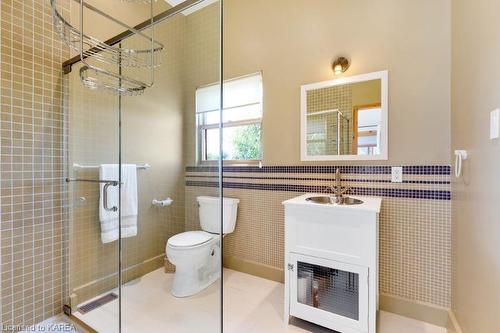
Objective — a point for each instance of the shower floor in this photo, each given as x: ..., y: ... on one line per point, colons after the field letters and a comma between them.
x: 57, y: 324
x: 252, y: 305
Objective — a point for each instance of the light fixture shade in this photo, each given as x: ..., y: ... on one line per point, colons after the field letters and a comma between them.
x: 340, y: 65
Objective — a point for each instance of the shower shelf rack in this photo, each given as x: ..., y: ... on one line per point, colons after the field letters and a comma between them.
x: 93, y: 49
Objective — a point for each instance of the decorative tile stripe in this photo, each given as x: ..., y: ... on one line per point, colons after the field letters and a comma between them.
x: 395, y: 193
x: 327, y: 179
x: 358, y: 169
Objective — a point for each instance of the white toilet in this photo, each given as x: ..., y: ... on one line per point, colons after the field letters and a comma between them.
x: 196, y: 254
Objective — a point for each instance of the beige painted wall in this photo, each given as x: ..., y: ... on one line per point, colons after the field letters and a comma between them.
x: 476, y: 227
x: 294, y: 45
x: 294, y: 42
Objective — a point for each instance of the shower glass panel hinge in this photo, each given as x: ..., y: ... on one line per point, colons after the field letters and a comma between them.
x: 290, y: 267
x: 67, y: 310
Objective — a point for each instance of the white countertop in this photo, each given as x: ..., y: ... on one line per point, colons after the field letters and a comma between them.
x: 371, y: 204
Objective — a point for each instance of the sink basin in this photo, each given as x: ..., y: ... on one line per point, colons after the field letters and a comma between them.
x: 331, y: 200
x: 321, y: 200
x: 350, y: 201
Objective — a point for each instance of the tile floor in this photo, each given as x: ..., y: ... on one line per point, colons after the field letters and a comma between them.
x: 57, y: 324
x: 252, y: 305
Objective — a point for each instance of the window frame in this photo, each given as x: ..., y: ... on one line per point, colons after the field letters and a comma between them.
x: 202, y: 129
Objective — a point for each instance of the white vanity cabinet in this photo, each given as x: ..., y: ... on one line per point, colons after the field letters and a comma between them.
x: 331, y: 263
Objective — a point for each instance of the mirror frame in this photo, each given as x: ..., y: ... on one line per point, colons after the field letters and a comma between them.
x: 384, y: 125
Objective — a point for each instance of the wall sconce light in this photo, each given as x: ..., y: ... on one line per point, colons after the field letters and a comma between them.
x: 340, y: 65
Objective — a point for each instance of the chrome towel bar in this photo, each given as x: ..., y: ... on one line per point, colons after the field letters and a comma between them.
x: 79, y: 166
x: 111, y: 182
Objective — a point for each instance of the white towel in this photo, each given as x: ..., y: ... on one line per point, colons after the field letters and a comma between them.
x: 109, y: 219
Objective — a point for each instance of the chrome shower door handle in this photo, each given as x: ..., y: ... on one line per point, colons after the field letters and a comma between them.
x: 105, y: 197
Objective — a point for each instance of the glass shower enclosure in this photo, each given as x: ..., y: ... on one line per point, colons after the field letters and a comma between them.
x: 127, y: 152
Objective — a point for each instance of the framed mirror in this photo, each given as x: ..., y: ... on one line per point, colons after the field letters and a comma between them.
x: 345, y: 119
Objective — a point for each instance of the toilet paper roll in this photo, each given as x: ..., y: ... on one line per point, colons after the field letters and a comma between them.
x: 304, y: 288
x: 302, y: 284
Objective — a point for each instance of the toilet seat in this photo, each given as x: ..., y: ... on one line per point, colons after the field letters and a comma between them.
x: 189, y: 239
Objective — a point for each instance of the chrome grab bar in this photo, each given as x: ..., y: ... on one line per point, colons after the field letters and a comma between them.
x: 112, y: 182
x: 107, y: 183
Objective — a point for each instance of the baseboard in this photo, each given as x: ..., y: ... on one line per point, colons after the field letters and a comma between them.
x: 254, y: 268
x: 426, y: 312
x: 83, y: 293
x: 453, y: 326
x: 422, y: 311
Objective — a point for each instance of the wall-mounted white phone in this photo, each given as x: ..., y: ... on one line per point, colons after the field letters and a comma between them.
x: 460, y: 155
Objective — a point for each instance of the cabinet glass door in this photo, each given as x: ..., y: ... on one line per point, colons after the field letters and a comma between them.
x: 330, y: 293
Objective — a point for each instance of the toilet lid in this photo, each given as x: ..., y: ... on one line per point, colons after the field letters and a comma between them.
x: 189, y: 238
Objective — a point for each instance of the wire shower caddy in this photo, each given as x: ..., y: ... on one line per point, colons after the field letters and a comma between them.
x: 103, y: 64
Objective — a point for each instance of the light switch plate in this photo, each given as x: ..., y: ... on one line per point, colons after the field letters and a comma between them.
x: 495, y: 124
x: 397, y: 174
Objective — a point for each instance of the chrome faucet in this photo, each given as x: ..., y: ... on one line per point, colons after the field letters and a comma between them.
x: 337, y: 190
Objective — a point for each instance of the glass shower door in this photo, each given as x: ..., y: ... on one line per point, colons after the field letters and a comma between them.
x: 159, y: 129
x: 93, y: 150
x: 121, y: 279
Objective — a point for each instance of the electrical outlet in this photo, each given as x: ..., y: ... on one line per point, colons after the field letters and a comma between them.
x: 397, y: 174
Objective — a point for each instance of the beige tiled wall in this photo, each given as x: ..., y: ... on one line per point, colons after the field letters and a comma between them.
x: 415, y: 233
x: 32, y: 191
x: 201, y: 67
x: 329, y: 99
x: 152, y: 134
x: 45, y: 115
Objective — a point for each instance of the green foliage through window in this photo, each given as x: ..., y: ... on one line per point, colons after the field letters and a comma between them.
x: 246, y: 142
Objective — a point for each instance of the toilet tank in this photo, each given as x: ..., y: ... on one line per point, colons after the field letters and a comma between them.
x: 209, y: 208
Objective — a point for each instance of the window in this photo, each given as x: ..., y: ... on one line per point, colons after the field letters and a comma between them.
x: 367, y: 132
x: 242, y: 120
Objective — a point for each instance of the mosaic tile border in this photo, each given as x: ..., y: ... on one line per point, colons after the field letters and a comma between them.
x: 395, y: 193
x: 329, y: 179
x: 431, y: 188
x: 357, y: 169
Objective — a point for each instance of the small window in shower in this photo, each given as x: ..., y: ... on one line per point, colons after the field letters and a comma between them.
x: 241, y: 120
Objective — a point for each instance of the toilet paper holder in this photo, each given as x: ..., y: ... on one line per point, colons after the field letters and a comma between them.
x: 162, y: 203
